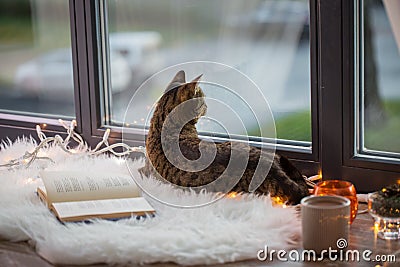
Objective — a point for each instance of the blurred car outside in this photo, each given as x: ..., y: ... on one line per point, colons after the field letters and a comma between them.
x: 140, y: 49
x: 50, y: 75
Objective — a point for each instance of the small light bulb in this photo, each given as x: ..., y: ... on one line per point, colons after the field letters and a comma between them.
x: 232, y: 195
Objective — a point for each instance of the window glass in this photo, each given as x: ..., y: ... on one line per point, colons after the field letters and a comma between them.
x: 35, y: 58
x: 380, y: 94
x: 266, y: 40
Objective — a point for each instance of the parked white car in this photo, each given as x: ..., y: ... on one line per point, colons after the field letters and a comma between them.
x: 51, y: 75
x: 140, y: 49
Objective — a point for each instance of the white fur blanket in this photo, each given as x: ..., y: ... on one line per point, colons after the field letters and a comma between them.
x: 227, y: 230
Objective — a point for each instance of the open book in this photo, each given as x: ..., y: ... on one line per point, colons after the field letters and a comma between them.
x: 79, y: 196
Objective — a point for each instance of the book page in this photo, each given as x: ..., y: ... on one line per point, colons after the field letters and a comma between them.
x: 62, y: 186
x: 106, y: 208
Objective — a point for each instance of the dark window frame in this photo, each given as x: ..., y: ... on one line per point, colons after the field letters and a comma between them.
x: 332, y: 96
x: 369, y: 172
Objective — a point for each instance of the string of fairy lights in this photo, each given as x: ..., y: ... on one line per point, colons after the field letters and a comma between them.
x: 82, y: 148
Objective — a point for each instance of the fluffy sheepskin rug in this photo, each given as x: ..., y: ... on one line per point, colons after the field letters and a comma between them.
x: 225, y: 231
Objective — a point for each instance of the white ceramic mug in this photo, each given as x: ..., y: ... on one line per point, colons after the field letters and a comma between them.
x: 325, y: 222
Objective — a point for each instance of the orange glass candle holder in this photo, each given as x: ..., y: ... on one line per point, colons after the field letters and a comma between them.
x: 339, y: 188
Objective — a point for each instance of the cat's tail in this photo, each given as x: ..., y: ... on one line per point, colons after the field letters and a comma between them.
x: 300, y: 188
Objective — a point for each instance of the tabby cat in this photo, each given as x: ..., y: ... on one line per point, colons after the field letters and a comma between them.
x: 175, y: 122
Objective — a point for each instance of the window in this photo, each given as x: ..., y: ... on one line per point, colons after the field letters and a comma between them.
x: 379, y: 87
x: 370, y: 154
x: 320, y: 58
x: 266, y: 40
x: 36, y: 74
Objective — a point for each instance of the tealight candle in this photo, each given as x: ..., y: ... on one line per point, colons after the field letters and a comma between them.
x: 339, y: 188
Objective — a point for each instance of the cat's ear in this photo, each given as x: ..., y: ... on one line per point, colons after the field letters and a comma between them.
x: 192, y: 86
x: 177, y: 81
x: 196, y: 80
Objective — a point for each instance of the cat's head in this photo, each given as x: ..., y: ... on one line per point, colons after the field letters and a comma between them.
x: 179, y: 91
